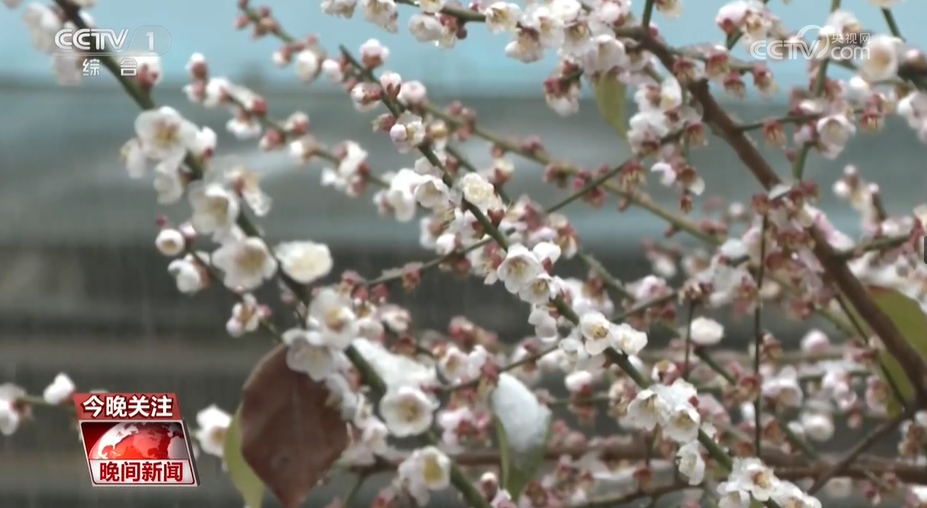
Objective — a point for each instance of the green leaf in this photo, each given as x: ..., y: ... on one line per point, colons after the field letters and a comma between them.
x: 610, y: 96
x: 908, y: 316
x: 243, y: 478
x: 522, y: 430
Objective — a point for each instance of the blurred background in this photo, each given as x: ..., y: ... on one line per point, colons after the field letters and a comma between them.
x: 83, y: 291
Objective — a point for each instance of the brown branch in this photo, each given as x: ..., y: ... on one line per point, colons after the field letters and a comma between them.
x: 871, y: 439
x: 654, y: 492
x: 835, y: 268
x: 787, y: 466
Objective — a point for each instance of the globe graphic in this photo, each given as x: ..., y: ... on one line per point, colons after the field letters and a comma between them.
x: 141, y: 441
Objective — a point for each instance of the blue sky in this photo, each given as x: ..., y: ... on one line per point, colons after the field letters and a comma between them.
x: 476, y: 65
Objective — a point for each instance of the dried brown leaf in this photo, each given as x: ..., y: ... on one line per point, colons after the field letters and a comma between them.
x: 290, y: 436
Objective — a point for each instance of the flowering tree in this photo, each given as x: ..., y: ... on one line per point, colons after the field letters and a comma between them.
x: 351, y: 372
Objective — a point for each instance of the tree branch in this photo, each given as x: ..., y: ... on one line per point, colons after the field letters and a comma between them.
x: 835, y: 268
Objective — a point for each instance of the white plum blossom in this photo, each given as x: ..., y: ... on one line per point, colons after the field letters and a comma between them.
x: 756, y: 478
x: 332, y: 69
x: 212, y: 424
x: 579, y: 381
x: 247, y: 183
x: 691, y: 463
x: 790, y: 495
x: 382, y: 13
x: 308, y: 65
x: 682, y: 425
x: 305, y: 261
x: 541, y: 290
x: 526, y: 47
x: 458, y: 366
x: 333, y: 311
x: 669, y: 8
x: 454, y: 364
x: 669, y: 406
x: 647, y: 130
x: 575, y: 356
x: 10, y: 416
x: 169, y: 184
x: 432, y: 193
x: 215, y: 210
x: 479, y: 192
x: 601, y: 334
x: 246, y: 316
x: 365, y: 96
x: 244, y: 127
x: 833, y: 132
x: 245, y: 263
x: 598, y: 332
x: 170, y: 242
x: 784, y: 387
x: 67, y: 66
x: 431, y: 6
x: 607, y: 54
x: 818, y: 427
x: 408, y: 132
x: 371, y: 443
x: 426, y: 470
x: 913, y: 108
x: 450, y: 420
x: 407, y: 411
x: 215, y: 92
x: 545, y: 325
x: 391, y: 83
x: 400, y: 196
x: 346, y: 174
x: 705, y: 331
x: 164, y: 133
x: 134, y: 158
x: 502, y: 499
x: 412, y: 93
x: 670, y: 175
x: 733, y: 495
x: 426, y: 27
x: 189, y: 273
x: 340, y: 8
x: 519, y: 268
x: 374, y: 53
x: 815, y: 341
x: 502, y: 16
x: 884, y: 54
x: 646, y: 410
x: 310, y: 352
x: 842, y: 488
x: 564, y: 103
x: 60, y: 390
x: 147, y: 65
x: 43, y: 23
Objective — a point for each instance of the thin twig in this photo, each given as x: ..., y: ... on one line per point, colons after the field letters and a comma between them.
x: 758, y: 341
x: 687, y: 364
x: 872, y: 438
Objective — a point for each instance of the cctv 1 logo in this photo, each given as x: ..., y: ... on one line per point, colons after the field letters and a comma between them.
x: 149, y: 40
